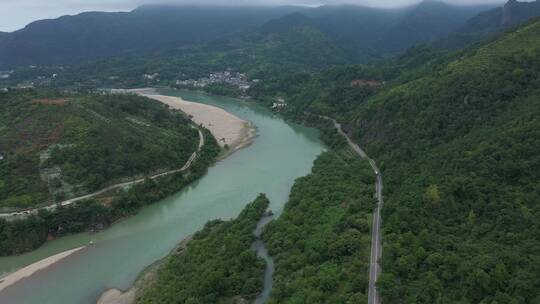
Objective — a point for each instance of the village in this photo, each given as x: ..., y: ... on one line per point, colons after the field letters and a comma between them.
x: 5, y: 74
x: 239, y: 80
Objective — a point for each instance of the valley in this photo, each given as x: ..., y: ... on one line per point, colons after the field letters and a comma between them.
x: 279, y: 106
x: 222, y: 193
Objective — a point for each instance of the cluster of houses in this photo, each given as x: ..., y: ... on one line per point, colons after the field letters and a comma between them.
x: 239, y: 80
x: 279, y: 104
x: 149, y: 76
x: 5, y: 74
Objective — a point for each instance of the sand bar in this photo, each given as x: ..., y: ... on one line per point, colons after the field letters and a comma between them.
x: 227, y: 128
x: 115, y: 296
x: 27, y: 271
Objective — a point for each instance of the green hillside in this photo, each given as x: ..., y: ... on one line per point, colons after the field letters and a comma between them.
x: 456, y: 136
x: 56, y: 146
x: 458, y: 149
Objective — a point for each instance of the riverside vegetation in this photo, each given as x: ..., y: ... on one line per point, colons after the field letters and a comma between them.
x: 24, y: 235
x: 217, y: 265
x: 320, y: 242
x: 133, y: 135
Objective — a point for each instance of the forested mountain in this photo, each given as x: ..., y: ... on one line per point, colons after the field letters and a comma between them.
x: 293, y: 42
x: 491, y: 22
x: 458, y: 151
x: 429, y: 21
x: 56, y: 146
x: 455, y: 135
x: 391, y: 31
x: 513, y: 13
x: 359, y: 34
x: 93, y: 35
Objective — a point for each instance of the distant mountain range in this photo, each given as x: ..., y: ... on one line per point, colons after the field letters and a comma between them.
x: 361, y: 32
x: 491, y: 22
x: 316, y: 37
x: 390, y: 31
x: 93, y: 35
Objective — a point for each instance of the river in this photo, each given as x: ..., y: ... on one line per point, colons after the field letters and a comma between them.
x: 281, y: 153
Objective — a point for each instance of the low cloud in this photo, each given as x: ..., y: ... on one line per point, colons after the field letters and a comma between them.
x: 15, y: 14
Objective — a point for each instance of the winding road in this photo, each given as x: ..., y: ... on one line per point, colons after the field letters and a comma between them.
x: 68, y: 202
x: 376, y: 244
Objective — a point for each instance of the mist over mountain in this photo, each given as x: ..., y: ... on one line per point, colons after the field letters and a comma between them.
x: 429, y: 21
x: 97, y: 34
x: 513, y: 13
x: 391, y: 31
x: 362, y: 32
x: 489, y: 23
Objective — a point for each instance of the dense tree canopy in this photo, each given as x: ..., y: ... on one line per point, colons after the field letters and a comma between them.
x: 217, y: 266
x: 457, y: 137
x: 321, y: 241
x: 24, y: 235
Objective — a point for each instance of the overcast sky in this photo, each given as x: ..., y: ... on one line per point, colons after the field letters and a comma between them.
x: 15, y: 14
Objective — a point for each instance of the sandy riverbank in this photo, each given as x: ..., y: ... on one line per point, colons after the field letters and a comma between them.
x: 228, y: 129
x: 115, y: 296
x: 27, y: 271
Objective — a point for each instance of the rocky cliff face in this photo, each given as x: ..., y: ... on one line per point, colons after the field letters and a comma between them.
x: 512, y: 14
x: 508, y: 11
x: 515, y: 12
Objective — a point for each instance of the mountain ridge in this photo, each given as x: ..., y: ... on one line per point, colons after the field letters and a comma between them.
x: 94, y: 35
x: 511, y: 14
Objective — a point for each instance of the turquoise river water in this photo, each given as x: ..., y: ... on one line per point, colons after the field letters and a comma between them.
x: 281, y: 153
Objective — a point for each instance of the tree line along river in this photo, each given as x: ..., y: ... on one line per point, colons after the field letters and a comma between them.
x: 281, y: 153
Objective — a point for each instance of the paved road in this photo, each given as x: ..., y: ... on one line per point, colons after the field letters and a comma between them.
x: 186, y: 166
x: 376, y: 244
